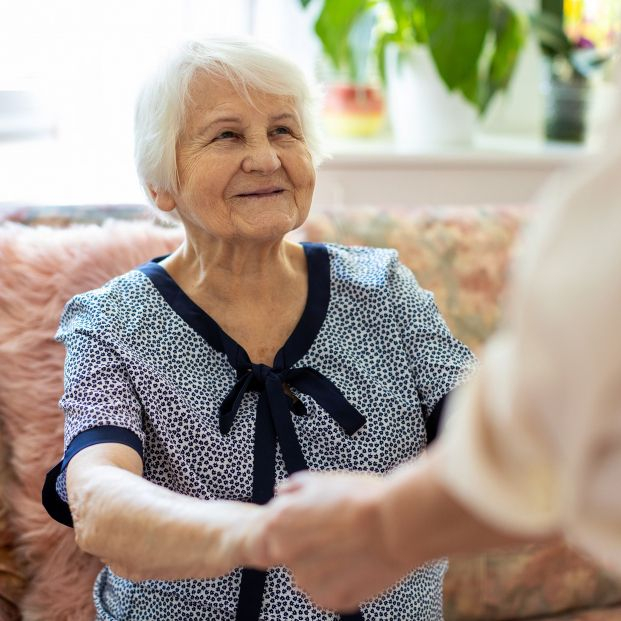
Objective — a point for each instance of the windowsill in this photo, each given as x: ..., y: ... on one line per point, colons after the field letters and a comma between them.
x: 494, y: 170
x: 486, y: 150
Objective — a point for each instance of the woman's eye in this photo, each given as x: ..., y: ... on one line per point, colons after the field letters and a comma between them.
x: 281, y: 131
x: 226, y: 135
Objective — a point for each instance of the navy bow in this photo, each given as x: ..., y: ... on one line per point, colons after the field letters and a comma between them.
x: 274, y: 425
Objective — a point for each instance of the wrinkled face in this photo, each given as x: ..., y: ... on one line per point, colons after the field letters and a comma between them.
x: 244, y: 169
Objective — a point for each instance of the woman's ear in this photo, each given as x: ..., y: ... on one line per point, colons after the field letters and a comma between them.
x: 163, y: 199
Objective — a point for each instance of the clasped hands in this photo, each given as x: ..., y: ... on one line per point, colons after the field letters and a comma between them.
x: 332, y: 530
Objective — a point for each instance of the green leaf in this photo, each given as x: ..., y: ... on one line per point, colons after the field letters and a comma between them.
x: 410, y: 20
x: 470, y: 88
x: 305, y: 3
x: 554, y: 7
x: 333, y: 26
x: 456, y: 30
x: 419, y: 26
x: 399, y: 11
x: 548, y: 29
x: 402, y: 10
x: 382, y: 42
x: 509, y: 36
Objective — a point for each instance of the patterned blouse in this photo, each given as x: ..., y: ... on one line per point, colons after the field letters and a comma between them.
x: 368, y: 360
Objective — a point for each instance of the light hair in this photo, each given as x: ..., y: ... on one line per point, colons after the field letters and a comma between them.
x: 247, y: 64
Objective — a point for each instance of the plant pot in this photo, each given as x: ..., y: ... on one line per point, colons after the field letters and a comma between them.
x: 567, y: 104
x: 352, y: 111
x: 423, y: 112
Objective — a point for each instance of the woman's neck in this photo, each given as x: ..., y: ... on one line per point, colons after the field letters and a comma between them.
x: 234, y: 271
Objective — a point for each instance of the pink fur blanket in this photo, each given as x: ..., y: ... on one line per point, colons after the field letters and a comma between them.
x: 41, y: 269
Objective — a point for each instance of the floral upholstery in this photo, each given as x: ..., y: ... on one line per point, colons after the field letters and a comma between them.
x: 459, y: 253
x: 67, y: 215
x: 532, y: 582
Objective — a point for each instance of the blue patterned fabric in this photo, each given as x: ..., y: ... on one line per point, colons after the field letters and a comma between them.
x: 369, y: 357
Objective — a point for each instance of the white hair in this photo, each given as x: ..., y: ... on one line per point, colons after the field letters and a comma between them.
x: 162, y: 103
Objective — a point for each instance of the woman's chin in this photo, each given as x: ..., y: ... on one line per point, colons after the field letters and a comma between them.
x: 268, y: 226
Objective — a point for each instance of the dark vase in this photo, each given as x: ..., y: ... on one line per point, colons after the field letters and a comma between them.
x: 567, y: 103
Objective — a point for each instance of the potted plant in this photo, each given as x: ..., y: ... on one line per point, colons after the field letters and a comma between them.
x: 570, y: 65
x: 354, y: 102
x: 471, y: 46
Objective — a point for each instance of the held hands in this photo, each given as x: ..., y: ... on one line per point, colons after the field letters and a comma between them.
x: 333, y: 530
x: 329, y: 530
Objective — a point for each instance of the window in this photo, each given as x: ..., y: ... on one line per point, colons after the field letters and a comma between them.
x: 70, y: 70
x: 67, y: 91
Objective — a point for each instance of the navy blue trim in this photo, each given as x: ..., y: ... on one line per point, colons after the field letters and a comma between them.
x: 56, y: 507
x: 300, y: 340
x: 177, y: 299
x: 274, y: 425
x: 433, y: 421
x: 315, y: 311
x: 251, y: 594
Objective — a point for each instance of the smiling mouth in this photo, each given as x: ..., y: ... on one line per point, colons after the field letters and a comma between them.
x: 262, y: 193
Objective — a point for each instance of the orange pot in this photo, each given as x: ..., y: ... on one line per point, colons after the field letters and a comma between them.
x: 353, y: 111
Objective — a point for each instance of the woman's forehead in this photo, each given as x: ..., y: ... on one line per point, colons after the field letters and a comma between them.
x: 212, y: 96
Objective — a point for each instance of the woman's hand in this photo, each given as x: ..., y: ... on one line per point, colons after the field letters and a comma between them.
x: 328, y: 528
x: 348, y: 536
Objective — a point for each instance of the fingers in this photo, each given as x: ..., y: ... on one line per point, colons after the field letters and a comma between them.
x: 325, y: 527
x: 298, y: 482
x: 273, y: 542
x: 315, y: 511
x: 272, y: 535
x: 335, y: 585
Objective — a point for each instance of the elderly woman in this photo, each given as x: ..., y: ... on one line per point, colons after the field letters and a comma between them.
x: 196, y: 382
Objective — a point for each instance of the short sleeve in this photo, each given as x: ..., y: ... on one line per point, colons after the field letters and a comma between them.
x: 438, y: 361
x: 99, y: 400
x: 97, y: 389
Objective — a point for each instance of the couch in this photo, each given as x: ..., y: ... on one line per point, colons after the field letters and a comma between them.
x: 48, y: 255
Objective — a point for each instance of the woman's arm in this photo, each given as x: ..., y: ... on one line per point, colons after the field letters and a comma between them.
x: 144, y: 531
x: 416, y: 502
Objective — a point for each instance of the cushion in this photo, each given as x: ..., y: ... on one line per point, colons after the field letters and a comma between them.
x: 12, y: 581
x: 527, y: 582
x: 68, y: 215
x: 596, y: 614
x: 42, y: 269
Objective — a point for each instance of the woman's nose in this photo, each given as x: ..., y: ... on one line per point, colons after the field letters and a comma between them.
x: 260, y: 157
